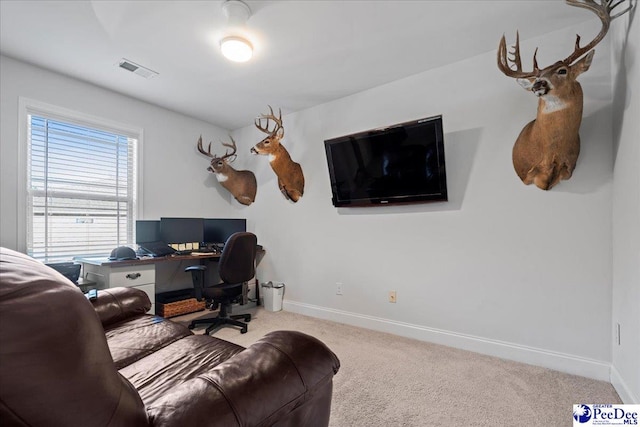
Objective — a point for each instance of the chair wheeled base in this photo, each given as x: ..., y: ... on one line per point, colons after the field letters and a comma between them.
x: 222, y: 319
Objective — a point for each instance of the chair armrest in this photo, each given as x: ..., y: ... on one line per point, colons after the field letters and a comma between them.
x: 285, y: 378
x: 116, y: 304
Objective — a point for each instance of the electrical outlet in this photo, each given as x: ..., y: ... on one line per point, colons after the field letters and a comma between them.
x: 392, y: 296
x: 338, y: 288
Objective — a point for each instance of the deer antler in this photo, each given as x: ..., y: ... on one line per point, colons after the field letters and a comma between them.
x: 506, y: 60
x: 271, y: 116
x: 201, y: 150
x: 233, y: 148
x: 603, y: 10
x: 213, y: 156
x: 513, y: 57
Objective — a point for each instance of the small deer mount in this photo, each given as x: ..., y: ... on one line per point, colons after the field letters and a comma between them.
x: 241, y: 184
x: 289, y: 173
x: 547, y: 148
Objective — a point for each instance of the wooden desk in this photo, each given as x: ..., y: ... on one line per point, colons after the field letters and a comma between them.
x: 145, y: 260
x: 138, y: 273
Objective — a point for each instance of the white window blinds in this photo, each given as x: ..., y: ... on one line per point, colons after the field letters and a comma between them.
x: 81, y: 189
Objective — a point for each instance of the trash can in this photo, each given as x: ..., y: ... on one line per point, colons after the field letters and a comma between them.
x: 271, y: 294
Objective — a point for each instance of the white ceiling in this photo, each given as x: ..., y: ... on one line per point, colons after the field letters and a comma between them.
x: 306, y: 52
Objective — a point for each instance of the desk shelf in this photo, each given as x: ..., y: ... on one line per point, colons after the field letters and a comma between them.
x: 176, y: 303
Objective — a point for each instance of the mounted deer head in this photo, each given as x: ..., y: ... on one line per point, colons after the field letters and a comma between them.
x: 547, y: 148
x: 289, y: 173
x: 241, y: 184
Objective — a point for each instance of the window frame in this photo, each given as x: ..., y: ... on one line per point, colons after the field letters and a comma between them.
x: 29, y: 107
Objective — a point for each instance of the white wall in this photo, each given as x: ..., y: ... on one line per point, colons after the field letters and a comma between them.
x: 175, y: 179
x: 501, y: 268
x: 626, y: 209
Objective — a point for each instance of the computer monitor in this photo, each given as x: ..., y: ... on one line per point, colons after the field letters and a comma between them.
x: 182, y: 230
x: 147, y: 231
x: 218, y: 230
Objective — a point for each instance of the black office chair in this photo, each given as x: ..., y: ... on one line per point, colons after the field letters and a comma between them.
x: 235, y: 267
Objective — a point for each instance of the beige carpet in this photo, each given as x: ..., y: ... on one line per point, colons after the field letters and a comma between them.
x: 386, y: 380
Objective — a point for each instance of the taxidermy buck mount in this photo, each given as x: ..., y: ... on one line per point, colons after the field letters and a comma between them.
x: 289, y: 173
x: 241, y: 184
x: 547, y: 148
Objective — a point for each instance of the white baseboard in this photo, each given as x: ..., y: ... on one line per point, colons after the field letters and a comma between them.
x: 621, y: 387
x: 576, y: 365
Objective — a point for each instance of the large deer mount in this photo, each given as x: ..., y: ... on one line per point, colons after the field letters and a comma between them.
x: 289, y: 173
x: 241, y: 184
x: 547, y: 148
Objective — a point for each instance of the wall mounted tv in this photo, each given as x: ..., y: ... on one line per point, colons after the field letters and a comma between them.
x: 403, y: 163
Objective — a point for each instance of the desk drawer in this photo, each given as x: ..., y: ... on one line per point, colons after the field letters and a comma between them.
x: 132, y: 276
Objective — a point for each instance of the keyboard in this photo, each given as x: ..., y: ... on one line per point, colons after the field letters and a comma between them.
x: 207, y: 250
x: 187, y: 252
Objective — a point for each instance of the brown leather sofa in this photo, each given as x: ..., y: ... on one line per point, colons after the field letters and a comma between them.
x: 66, y: 362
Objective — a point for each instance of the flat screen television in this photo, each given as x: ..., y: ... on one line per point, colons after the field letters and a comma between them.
x: 403, y: 163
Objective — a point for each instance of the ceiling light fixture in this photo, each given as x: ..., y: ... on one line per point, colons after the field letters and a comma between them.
x: 234, y: 47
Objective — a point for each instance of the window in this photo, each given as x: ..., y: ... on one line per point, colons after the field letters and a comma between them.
x: 81, y: 187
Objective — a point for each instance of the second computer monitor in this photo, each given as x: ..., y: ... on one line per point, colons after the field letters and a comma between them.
x: 218, y: 230
x: 181, y: 230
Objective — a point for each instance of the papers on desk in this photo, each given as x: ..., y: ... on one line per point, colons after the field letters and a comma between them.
x: 200, y: 253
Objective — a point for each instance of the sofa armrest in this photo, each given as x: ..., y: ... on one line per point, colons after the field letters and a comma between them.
x: 285, y: 378
x: 117, y: 304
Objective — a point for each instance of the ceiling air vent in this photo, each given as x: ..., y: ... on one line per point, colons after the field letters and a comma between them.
x: 137, y: 69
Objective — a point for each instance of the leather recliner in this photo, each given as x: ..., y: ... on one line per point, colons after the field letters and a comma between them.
x: 67, y: 362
